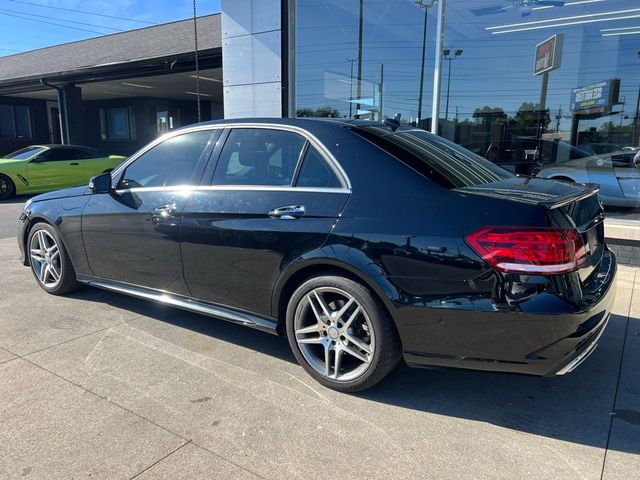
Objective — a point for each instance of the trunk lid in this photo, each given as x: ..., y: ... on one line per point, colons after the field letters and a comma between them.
x: 567, y: 205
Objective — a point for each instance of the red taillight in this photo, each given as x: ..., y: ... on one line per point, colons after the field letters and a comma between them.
x: 529, y: 250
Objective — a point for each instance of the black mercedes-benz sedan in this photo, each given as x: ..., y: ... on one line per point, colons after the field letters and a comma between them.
x: 360, y: 242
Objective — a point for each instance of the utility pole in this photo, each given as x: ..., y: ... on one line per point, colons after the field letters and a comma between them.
x: 360, y: 18
x: 421, y: 4
x: 634, y: 138
x: 351, y: 60
x: 380, y: 116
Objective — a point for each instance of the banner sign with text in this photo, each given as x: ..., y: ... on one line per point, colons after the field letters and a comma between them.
x: 597, y: 97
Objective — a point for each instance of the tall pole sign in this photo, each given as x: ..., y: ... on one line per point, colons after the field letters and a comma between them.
x: 548, y: 58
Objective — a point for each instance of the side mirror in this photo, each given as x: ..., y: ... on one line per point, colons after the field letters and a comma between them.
x: 101, y: 183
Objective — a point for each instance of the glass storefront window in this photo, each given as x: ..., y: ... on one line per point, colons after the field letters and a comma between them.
x: 528, y: 84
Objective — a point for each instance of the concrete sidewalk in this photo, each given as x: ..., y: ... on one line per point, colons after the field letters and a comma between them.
x: 98, y: 385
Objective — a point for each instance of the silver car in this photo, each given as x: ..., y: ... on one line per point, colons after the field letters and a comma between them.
x: 618, y: 175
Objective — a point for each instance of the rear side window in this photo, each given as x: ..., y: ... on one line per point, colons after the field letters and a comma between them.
x: 437, y: 159
x: 258, y: 156
x: 315, y: 172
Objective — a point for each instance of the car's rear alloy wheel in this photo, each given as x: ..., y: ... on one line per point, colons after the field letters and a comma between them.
x: 49, y: 260
x: 340, y: 333
x: 7, y: 188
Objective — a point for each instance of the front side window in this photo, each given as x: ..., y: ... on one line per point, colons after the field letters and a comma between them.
x: 58, y: 155
x: 259, y: 156
x: 117, y: 123
x: 171, y: 163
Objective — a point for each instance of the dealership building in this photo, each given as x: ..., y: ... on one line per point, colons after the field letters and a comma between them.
x: 504, y: 78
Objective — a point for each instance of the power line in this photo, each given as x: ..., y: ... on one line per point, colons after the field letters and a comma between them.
x: 52, y: 23
x: 84, y: 12
x: 60, y: 19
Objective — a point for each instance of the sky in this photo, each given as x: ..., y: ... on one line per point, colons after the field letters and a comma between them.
x: 30, y: 24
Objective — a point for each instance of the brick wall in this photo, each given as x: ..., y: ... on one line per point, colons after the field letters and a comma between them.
x: 628, y: 254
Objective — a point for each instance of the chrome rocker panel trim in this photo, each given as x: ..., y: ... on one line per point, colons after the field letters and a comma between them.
x: 184, y: 303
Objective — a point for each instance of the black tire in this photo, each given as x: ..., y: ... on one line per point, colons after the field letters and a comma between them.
x: 7, y: 187
x: 67, y: 281
x: 386, y: 351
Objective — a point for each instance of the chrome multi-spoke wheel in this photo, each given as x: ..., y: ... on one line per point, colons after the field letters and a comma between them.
x: 341, y: 334
x: 334, y: 333
x: 45, y: 259
x: 49, y: 260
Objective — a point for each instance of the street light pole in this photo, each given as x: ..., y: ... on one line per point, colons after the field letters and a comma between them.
x: 446, y: 55
x: 435, y: 106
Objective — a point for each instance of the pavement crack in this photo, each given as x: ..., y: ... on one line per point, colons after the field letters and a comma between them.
x: 79, y: 337
x: 229, y: 460
x: 102, y: 397
x: 161, y: 459
x: 615, y: 395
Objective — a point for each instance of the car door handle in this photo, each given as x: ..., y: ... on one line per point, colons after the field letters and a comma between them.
x: 165, y: 211
x: 290, y: 212
x: 74, y: 163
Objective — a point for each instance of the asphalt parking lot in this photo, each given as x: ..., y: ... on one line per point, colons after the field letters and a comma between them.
x: 98, y: 385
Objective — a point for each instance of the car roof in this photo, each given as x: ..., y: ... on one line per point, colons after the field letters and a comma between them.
x: 302, y: 122
x: 52, y: 146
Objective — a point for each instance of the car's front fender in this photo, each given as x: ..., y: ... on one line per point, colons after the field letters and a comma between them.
x: 65, y: 216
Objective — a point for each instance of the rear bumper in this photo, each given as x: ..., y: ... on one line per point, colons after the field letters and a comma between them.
x: 544, y: 335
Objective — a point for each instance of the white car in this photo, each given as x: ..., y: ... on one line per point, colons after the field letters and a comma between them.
x: 618, y: 176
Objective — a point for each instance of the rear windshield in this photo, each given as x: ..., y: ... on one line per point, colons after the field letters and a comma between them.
x: 440, y: 160
x: 25, y: 153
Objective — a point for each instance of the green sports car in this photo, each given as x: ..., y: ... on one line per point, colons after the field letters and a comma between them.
x: 42, y: 168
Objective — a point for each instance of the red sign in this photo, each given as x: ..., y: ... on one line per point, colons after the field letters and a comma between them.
x: 548, y: 54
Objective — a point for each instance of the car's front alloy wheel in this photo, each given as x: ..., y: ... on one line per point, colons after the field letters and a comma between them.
x: 341, y: 334
x: 49, y: 260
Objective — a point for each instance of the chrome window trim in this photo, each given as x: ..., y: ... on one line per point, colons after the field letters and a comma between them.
x: 312, y: 139
x: 247, y: 188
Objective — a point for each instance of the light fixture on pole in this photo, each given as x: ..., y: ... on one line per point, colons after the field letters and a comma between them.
x: 446, y: 54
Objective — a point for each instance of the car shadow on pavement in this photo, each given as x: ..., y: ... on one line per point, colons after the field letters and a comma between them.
x: 220, y: 329
x: 575, y: 408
